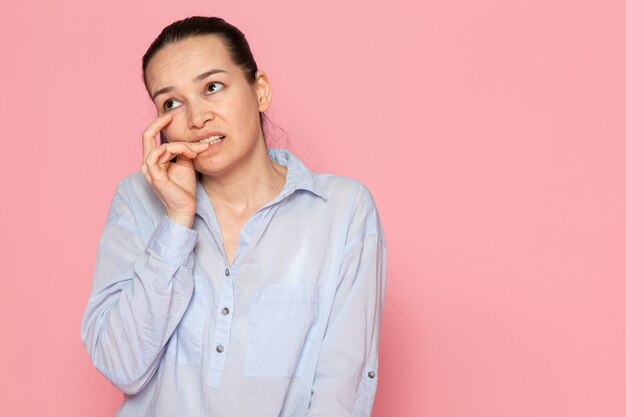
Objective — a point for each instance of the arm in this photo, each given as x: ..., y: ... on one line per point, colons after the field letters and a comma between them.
x: 346, y: 376
x: 139, y: 295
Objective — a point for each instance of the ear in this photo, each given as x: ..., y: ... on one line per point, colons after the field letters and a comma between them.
x: 263, y: 90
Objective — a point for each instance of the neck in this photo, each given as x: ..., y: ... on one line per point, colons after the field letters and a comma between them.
x: 248, y: 186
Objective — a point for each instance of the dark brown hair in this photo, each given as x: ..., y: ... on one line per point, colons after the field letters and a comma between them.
x: 234, y: 40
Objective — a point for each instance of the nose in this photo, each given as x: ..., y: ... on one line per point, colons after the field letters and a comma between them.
x: 198, y: 114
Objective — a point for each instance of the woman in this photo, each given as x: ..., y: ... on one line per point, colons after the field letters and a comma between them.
x: 230, y: 280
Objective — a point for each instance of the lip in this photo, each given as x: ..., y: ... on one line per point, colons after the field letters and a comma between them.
x: 208, y: 135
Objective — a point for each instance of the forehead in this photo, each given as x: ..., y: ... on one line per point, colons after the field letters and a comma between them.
x: 182, y: 61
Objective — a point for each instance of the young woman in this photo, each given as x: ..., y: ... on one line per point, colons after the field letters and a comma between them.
x: 230, y: 280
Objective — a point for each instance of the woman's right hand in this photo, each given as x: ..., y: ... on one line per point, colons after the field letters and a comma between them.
x: 173, y: 182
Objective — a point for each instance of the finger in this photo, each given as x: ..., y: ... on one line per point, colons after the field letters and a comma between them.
x: 146, y: 174
x: 149, y: 135
x: 156, y: 175
x: 189, y: 150
x: 157, y: 170
x: 163, y: 155
x: 155, y: 154
x: 179, y: 150
x: 165, y: 158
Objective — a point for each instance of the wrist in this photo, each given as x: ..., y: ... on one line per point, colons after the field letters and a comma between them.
x: 183, y: 219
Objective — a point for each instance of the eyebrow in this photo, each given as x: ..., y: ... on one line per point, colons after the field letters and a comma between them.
x: 195, y: 80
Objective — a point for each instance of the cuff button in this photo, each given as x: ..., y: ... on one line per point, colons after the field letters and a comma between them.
x: 371, y: 374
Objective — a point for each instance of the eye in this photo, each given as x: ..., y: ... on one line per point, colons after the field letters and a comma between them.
x: 171, y: 104
x: 213, y: 87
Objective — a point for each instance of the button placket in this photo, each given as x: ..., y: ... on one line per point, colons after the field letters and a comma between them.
x: 223, y: 324
x: 225, y: 310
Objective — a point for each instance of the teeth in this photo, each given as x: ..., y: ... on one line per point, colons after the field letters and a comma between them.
x: 212, y: 139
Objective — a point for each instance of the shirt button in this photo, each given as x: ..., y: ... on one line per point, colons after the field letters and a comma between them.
x: 225, y: 311
x: 371, y: 374
x: 219, y: 348
x: 227, y: 272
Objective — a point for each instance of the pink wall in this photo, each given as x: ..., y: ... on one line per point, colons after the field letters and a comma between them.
x: 491, y: 133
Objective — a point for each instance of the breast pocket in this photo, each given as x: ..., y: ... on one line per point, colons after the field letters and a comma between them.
x: 190, y: 330
x: 281, y: 324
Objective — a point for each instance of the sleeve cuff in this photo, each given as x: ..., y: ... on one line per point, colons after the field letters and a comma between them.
x: 174, y: 243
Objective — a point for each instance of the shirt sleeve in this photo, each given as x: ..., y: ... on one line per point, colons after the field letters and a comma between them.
x: 139, y: 294
x: 346, y: 376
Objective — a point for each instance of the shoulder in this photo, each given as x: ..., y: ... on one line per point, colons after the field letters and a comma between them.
x: 344, y: 189
x: 135, y: 185
x: 335, y: 186
x: 134, y: 192
x: 135, y: 206
x: 354, y: 199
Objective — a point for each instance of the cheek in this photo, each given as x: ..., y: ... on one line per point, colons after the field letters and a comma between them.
x: 175, y: 130
x: 243, y: 104
x: 247, y: 114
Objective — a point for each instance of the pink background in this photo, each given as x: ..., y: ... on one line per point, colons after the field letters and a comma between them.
x: 491, y: 134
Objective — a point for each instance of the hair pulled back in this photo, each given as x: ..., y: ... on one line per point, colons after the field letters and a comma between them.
x: 234, y: 40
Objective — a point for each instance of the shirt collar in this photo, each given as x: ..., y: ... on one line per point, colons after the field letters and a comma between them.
x: 298, y: 176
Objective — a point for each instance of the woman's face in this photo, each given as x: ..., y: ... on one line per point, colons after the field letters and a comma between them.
x: 207, y: 94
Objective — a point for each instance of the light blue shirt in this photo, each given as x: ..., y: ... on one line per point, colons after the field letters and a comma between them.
x: 290, y: 329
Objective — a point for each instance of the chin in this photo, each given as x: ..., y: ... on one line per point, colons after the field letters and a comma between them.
x: 211, y: 168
